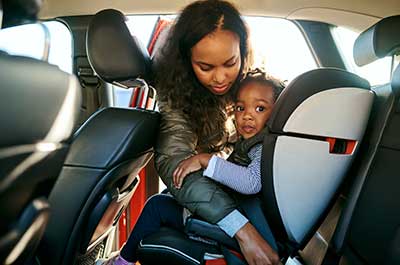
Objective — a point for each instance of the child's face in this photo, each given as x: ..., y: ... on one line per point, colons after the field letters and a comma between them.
x: 253, y: 107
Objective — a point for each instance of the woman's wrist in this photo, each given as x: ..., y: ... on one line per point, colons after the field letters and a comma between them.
x: 204, y: 159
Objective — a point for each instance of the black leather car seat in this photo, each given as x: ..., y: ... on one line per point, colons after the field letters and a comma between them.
x: 100, y: 173
x: 39, y: 106
x: 368, y: 231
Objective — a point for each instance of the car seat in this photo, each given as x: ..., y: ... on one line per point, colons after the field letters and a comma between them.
x: 99, y: 176
x: 368, y: 231
x: 39, y: 106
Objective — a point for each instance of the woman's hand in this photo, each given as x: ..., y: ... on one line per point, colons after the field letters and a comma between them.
x: 254, y: 248
x: 188, y: 166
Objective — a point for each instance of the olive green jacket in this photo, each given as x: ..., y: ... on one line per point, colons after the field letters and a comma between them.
x: 176, y: 142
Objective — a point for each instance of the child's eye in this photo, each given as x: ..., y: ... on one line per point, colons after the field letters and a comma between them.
x: 260, y: 108
x: 239, y: 108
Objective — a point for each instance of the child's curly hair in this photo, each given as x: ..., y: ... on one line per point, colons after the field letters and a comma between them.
x: 260, y: 76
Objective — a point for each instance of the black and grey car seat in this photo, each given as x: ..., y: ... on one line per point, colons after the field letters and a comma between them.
x: 99, y: 176
x: 368, y: 231
x: 39, y: 106
x: 314, y: 133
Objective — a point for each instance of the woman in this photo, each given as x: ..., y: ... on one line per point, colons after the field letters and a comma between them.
x: 197, y: 73
x: 253, y: 105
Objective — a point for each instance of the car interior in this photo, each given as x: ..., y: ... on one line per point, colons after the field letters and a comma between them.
x: 79, y: 121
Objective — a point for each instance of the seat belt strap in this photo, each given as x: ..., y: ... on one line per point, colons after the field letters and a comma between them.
x: 90, y: 89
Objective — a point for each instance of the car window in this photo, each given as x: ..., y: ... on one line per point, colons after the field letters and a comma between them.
x: 377, y: 73
x: 142, y: 26
x: 61, y: 45
x: 50, y: 41
x: 280, y: 47
x: 278, y: 44
x: 14, y: 40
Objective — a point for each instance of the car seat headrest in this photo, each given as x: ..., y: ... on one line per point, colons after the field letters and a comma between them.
x: 307, y: 85
x: 378, y: 41
x: 114, y: 54
x: 59, y: 96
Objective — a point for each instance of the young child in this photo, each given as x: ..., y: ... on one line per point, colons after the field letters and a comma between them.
x: 254, y: 102
x: 253, y: 105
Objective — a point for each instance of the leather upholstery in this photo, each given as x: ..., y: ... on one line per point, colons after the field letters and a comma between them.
x: 38, y: 115
x: 130, y: 135
x: 172, y: 247
x: 368, y: 229
x: 97, y: 180
x: 380, y: 40
x: 114, y: 54
x: 99, y: 176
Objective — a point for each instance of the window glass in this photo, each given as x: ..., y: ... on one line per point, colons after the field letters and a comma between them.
x: 14, y: 40
x: 122, y: 96
x: 283, y: 55
x: 36, y: 40
x: 60, y: 52
x: 376, y: 73
x: 279, y: 47
x: 142, y: 27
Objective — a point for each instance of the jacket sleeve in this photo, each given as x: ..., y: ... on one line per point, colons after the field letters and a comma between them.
x: 202, y: 196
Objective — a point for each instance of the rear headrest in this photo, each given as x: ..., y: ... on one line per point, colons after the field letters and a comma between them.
x: 380, y: 40
x: 114, y: 54
x: 42, y: 104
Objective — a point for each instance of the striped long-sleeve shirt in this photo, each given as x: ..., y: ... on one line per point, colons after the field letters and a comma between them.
x: 245, y: 180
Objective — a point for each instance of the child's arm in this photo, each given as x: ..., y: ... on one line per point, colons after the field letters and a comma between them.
x: 188, y: 166
x: 245, y: 180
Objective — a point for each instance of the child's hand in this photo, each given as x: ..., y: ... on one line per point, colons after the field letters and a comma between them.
x: 186, y: 167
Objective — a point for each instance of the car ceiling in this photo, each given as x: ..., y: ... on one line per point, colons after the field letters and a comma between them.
x: 356, y: 14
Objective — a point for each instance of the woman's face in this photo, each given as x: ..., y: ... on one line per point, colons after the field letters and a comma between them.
x: 216, y: 60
